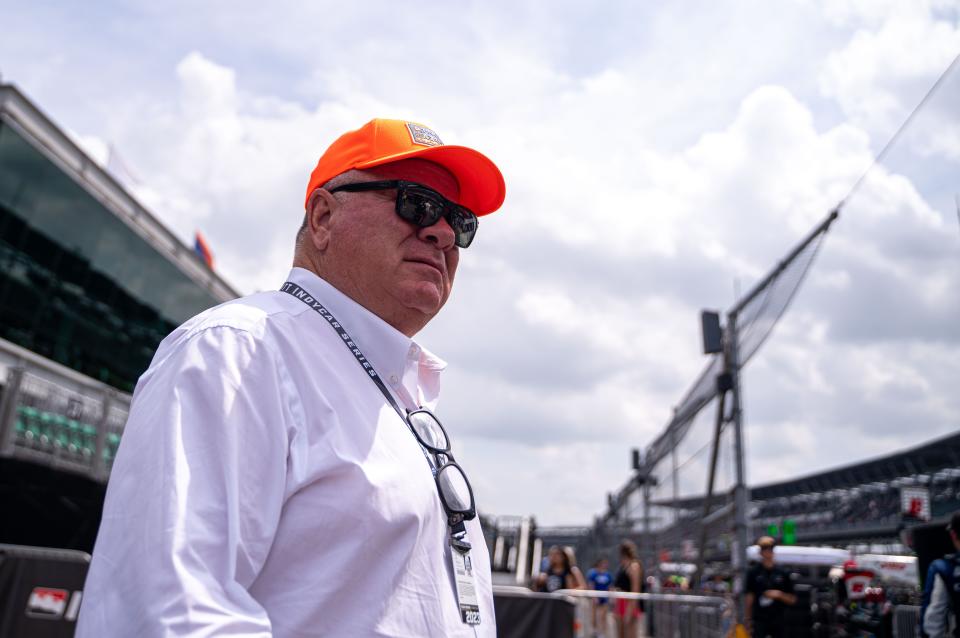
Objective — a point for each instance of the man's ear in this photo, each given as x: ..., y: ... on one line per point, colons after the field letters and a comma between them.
x: 319, y: 212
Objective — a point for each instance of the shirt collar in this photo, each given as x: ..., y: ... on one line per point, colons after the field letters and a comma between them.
x: 389, y: 350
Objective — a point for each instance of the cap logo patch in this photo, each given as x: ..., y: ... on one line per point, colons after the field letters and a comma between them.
x: 422, y: 135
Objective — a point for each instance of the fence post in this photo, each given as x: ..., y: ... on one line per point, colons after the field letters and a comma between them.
x: 741, y: 497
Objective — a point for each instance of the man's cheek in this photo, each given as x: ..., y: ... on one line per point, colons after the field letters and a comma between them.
x: 452, y: 262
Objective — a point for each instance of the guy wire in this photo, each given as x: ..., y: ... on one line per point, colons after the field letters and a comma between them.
x: 956, y: 197
x: 906, y: 122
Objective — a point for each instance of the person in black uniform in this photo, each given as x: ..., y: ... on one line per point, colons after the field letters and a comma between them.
x: 769, y: 591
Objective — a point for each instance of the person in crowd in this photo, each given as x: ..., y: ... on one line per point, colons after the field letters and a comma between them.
x: 768, y: 593
x: 941, y: 591
x: 629, y: 578
x: 562, y: 571
x: 718, y: 584
x: 600, y: 579
x: 282, y: 473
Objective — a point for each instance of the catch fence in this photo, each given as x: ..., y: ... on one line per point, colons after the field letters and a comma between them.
x: 687, y: 501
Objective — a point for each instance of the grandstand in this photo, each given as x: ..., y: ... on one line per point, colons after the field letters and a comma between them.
x: 854, y: 505
x: 90, y: 282
x: 861, y: 503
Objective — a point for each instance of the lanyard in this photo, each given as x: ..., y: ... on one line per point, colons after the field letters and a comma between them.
x: 460, y: 557
x: 304, y: 296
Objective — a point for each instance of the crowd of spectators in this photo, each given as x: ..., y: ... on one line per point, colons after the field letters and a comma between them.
x: 873, y: 504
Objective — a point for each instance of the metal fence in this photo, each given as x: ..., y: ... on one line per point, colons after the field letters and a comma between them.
x: 906, y: 619
x: 675, y: 616
x: 57, y: 417
x: 662, y: 616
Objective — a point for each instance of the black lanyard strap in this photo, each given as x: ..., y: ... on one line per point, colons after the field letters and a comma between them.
x: 304, y: 296
x: 311, y: 301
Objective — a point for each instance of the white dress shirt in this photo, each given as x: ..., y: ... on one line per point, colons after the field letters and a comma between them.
x: 265, y: 487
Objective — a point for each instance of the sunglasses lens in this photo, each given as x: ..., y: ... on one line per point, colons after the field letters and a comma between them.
x: 455, y: 490
x: 418, y: 207
x: 464, y: 225
x: 425, y: 208
x: 428, y: 430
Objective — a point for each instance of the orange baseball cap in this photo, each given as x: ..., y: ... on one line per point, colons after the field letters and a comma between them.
x: 383, y: 141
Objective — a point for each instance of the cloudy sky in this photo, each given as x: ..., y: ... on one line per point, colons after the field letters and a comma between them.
x: 658, y: 158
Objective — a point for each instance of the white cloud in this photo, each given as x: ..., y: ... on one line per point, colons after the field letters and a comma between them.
x: 886, y: 68
x: 652, y: 158
x: 208, y: 91
x: 93, y: 146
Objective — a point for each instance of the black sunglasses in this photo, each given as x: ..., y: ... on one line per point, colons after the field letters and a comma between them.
x: 456, y: 494
x: 422, y: 206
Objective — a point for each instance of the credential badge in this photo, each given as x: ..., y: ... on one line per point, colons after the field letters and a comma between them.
x: 422, y: 135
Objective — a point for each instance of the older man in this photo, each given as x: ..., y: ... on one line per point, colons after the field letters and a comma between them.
x: 281, y: 473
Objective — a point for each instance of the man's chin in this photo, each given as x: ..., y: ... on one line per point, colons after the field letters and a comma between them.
x: 425, y: 298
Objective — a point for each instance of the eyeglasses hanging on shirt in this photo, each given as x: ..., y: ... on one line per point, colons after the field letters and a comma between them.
x: 456, y: 493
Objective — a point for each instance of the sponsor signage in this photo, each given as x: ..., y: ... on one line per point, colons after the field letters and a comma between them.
x: 915, y: 503
x: 45, y: 602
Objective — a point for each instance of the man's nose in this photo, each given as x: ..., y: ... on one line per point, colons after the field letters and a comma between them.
x: 439, y: 234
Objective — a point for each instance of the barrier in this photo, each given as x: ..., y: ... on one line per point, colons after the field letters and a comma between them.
x: 906, y: 619
x: 40, y: 591
x: 522, y: 613
x: 664, y: 615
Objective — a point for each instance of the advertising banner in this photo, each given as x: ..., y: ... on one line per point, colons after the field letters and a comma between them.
x: 915, y: 503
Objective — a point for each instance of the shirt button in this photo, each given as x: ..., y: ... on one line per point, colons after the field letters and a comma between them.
x: 394, y: 380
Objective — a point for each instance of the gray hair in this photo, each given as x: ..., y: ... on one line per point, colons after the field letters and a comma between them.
x: 337, y: 180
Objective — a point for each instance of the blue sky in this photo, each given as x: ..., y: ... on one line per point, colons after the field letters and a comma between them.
x: 654, y: 155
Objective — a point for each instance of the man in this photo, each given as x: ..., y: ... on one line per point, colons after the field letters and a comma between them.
x: 277, y: 476
x: 769, y: 591
x: 941, y: 591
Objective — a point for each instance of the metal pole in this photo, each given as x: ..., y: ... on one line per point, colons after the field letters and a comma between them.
x: 782, y: 265
x: 523, y: 546
x: 649, y: 545
x: 741, y: 496
x: 702, y: 544
x: 674, y: 474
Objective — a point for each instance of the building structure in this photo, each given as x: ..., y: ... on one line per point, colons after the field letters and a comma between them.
x: 90, y: 283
